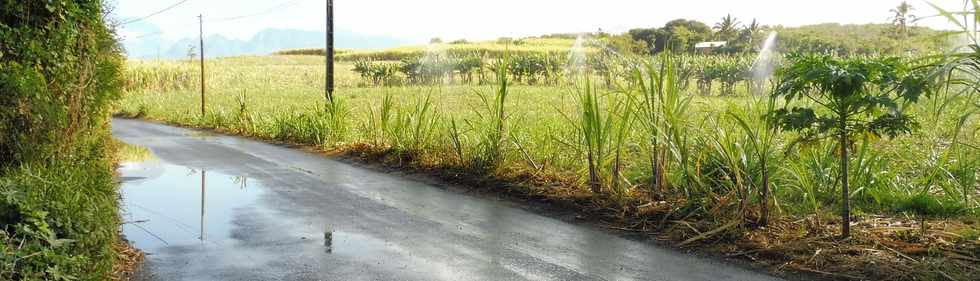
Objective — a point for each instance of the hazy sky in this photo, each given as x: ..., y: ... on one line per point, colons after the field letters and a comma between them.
x: 419, y: 20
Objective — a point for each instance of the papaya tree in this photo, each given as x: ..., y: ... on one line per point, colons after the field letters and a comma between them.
x: 845, y: 97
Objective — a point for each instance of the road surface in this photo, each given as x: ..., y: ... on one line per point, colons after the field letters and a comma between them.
x: 268, y: 212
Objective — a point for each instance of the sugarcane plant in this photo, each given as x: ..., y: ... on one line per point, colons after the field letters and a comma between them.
x: 602, y: 129
x: 761, y: 142
x: 493, y: 119
x: 661, y: 109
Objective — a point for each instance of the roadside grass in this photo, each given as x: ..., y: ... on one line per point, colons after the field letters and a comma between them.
x: 68, y: 211
x: 697, y: 170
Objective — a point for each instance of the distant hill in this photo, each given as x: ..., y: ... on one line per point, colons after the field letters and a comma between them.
x: 263, y: 42
x: 860, y: 39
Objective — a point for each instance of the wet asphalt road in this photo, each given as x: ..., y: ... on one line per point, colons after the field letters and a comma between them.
x: 378, y: 226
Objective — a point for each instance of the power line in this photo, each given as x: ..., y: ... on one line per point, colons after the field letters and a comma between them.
x: 263, y: 12
x: 154, y: 33
x: 266, y: 11
x: 155, y: 13
x: 145, y: 35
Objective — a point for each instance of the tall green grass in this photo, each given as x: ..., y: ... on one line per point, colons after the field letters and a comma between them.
x: 603, y: 124
x: 493, y: 122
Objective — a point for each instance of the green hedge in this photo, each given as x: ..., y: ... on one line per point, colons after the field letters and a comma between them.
x: 59, y: 71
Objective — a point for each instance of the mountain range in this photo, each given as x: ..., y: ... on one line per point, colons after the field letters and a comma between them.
x: 263, y: 42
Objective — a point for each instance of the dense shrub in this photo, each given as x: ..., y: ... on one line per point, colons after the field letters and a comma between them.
x: 59, y: 71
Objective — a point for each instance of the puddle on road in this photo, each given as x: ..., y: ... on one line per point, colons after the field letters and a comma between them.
x: 169, y: 205
x: 165, y: 205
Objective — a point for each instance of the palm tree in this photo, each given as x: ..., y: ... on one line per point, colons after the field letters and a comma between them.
x: 902, y: 16
x: 727, y: 27
x: 753, y: 27
x: 751, y: 30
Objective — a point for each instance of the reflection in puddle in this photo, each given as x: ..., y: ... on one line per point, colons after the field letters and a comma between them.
x: 356, y: 245
x: 171, y: 205
x: 167, y: 205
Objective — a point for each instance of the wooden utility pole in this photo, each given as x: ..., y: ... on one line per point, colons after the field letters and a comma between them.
x: 329, y: 52
x: 200, y: 21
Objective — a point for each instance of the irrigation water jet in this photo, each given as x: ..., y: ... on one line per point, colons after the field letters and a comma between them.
x: 763, y: 66
x: 433, y: 64
x: 579, y: 64
x: 576, y: 57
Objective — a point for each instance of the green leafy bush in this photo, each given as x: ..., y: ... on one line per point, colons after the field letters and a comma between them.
x: 59, y: 70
